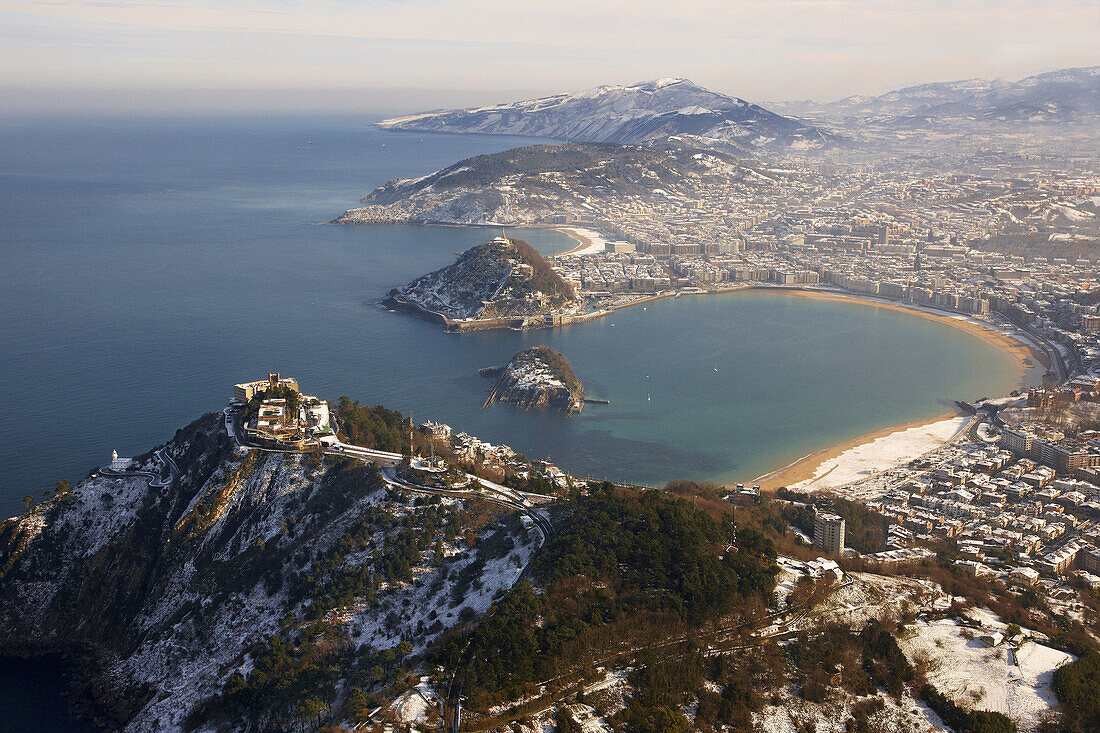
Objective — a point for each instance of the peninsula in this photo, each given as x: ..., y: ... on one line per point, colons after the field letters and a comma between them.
x: 502, y: 283
x: 538, y: 378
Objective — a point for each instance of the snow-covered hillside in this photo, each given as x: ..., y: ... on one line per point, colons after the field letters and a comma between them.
x: 539, y: 377
x: 631, y: 113
x: 184, y: 597
x: 498, y: 279
x: 1066, y: 95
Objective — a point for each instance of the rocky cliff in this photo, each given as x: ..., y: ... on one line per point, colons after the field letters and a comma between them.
x: 538, y: 378
x: 211, y: 587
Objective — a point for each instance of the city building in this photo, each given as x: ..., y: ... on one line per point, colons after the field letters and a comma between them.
x: 829, y: 532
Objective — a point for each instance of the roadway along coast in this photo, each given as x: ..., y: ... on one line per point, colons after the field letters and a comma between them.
x: 388, y: 461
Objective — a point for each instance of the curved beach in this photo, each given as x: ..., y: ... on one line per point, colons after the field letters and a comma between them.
x: 889, y: 447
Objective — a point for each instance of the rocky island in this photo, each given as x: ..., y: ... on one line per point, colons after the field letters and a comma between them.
x: 538, y: 378
x: 502, y: 283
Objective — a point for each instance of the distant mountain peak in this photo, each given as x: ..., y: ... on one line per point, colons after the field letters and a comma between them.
x: 1054, y: 96
x: 641, y: 112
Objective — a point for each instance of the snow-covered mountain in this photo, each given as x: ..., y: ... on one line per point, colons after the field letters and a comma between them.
x: 1066, y: 95
x: 633, y: 113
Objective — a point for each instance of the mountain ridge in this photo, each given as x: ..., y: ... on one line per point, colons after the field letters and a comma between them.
x: 1062, y: 95
x: 626, y: 113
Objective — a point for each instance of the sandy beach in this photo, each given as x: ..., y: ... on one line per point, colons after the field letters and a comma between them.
x: 1025, y: 355
x: 882, y: 449
x: 854, y: 459
x: 588, y: 241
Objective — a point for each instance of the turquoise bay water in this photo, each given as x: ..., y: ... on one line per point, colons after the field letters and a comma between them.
x: 149, y: 265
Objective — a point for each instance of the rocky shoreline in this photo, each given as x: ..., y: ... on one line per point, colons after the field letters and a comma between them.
x: 538, y: 378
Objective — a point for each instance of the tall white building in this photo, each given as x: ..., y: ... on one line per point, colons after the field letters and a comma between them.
x: 829, y: 532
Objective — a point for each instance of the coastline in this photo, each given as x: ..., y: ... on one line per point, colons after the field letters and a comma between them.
x: 1025, y: 355
x: 588, y: 241
x: 1021, y: 352
x: 806, y: 468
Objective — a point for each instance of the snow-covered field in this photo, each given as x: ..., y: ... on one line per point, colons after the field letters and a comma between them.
x: 794, y: 715
x: 888, y: 451
x: 1015, y: 682
x: 866, y: 596
x: 415, y: 705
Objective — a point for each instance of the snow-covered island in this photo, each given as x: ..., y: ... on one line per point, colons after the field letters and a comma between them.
x: 538, y: 378
x: 499, y: 284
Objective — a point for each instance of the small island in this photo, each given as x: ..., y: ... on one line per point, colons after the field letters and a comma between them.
x: 504, y: 283
x: 538, y: 378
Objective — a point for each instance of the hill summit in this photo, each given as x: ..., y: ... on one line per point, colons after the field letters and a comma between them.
x: 632, y: 113
x: 504, y: 278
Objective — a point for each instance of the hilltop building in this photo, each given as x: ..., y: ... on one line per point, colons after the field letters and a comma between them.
x: 247, y: 390
x: 829, y: 532
x: 294, y: 420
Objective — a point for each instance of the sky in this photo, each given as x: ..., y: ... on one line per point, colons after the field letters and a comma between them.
x: 408, y: 55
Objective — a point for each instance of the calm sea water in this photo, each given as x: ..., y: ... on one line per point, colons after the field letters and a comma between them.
x: 149, y: 265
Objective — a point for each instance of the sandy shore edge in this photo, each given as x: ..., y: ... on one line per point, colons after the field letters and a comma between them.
x: 805, y: 467
x: 585, y: 243
x: 1019, y: 351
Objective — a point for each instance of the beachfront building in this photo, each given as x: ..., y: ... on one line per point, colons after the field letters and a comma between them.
x: 829, y: 532
x: 1050, y: 447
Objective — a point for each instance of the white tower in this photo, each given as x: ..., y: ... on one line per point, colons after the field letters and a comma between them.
x: 114, y: 456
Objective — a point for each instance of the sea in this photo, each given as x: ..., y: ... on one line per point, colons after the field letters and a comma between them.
x: 149, y: 264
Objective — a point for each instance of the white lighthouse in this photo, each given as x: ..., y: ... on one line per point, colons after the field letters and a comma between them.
x: 119, y: 464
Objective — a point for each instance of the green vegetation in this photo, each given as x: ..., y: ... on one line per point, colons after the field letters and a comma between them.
x: 864, y: 530
x: 281, y: 392
x: 867, y: 661
x: 1077, y: 686
x: 965, y: 721
x: 293, y: 676
x: 372, y: 427
x: 744, y: 676
x: 624, y: 568
x: 543, y: 279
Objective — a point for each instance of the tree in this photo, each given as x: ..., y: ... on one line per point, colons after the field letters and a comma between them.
x: 359, y: 704
x: 28, y: 500
x: 311, y: 709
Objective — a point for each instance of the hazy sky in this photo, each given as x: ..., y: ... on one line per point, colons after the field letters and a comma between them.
x: 410, y: 54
